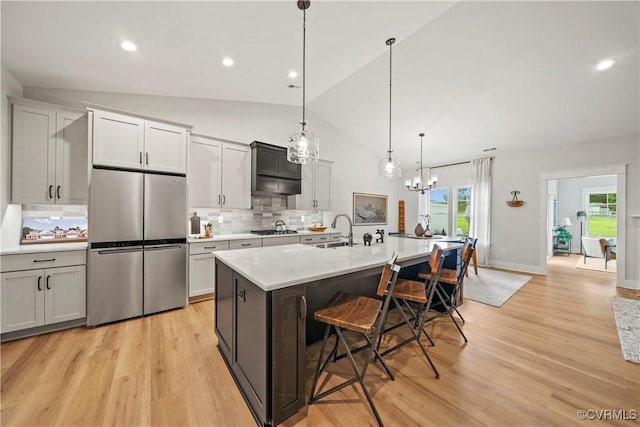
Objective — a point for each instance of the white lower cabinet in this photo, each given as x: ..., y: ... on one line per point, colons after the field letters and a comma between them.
x: 33, y: 298
x: 202, y: 266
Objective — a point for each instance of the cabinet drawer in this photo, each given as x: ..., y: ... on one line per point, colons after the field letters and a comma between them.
x: 276, y: 241
x: 245, y: 243
x: 43, y: 260
x: 319, y: 238
x: 207, y: 247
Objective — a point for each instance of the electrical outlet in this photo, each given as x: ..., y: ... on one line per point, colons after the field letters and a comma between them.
x: 503, y: 251
x: 220, y: 219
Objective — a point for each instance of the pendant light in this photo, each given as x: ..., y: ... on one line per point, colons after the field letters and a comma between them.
x: 388, y: 166
x: 418, y: 181
x: 303, y: 144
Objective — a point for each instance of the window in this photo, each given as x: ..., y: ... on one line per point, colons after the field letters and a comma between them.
x: 601, y: 214
x: 439, y: 210
x: 463, y: 214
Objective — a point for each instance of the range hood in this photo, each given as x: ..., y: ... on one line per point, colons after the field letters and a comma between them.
x: 272, y: 173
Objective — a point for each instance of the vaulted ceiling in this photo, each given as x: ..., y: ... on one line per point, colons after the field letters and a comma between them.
x: 472, y: 75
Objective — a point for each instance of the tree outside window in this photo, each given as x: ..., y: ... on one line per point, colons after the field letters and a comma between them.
x: 463, y: 214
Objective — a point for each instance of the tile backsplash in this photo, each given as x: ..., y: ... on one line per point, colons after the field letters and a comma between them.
x: 266, y: 210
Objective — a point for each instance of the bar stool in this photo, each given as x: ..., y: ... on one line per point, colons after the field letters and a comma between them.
x: 413, y: 291
x: 360, y: 314
x: 449, y: 301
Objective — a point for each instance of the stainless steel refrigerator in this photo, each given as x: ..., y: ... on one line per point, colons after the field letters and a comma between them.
x: 138, y: 255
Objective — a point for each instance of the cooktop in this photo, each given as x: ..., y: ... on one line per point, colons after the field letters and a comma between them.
x: 272, y: 232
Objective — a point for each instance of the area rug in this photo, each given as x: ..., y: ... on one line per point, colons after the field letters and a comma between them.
x: 493, y: 287
x: 596, y: 264
x: 627, y: 315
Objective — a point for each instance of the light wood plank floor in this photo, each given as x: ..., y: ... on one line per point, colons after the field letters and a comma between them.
x: 551, y: 350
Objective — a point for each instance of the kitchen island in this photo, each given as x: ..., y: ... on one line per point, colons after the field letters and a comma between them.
x: 265, y: 299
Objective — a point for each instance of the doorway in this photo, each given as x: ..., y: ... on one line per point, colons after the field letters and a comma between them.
x: 556, y: 212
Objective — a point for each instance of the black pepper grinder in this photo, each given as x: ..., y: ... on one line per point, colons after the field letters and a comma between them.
x: 195, y: 223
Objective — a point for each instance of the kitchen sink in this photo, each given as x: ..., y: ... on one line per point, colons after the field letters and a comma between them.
x: 334, y: 245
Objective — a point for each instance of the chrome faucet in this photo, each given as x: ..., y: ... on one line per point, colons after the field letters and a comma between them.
x: 350, y: 236
x: 280, y: 223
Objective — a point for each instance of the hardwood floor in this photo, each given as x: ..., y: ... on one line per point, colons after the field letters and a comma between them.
x: 551, y: 350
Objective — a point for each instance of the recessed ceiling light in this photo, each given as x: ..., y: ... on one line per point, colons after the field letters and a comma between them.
x: 607, y: 63
x: 293, y: 74
x: 227, y: 62
x: 128, y: 46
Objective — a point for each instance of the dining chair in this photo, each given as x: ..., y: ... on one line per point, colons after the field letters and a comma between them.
x: 417, y: 292
x: 364, y: 316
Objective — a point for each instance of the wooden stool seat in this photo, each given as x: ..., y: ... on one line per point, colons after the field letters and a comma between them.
x: 410, y: 290
x: 447, y: 275
x: 352, y: 312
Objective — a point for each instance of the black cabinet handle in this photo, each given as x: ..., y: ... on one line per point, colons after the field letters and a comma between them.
x: 146, y: 156
x: 51, y: 191
x: 219, y: 199
x: 302, y: 311
x: 44, y: 260
x: 48, y: 287
x: 323, y: 238
x: 140, y: 156
x: 39, y: 280
x: 245, y: 244
x: 224, y: 199
x: 210, y: 247
x: 58, y: 192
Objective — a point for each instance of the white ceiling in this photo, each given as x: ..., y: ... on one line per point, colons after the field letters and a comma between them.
x: 511, y: 75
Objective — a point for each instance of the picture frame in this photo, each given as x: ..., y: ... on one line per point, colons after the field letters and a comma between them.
x: 369, y: 209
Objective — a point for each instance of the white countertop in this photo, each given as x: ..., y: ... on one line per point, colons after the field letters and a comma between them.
x: 277, y: 267
x: 241, y: 236
x: 43, y: 247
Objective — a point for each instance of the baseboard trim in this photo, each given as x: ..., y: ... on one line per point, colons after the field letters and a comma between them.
x: 630, y: 284
x: 203, y: 297
x: 523, y: 268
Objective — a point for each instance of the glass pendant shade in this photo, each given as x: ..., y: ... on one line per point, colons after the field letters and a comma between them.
x: 303, y: 146
x: 389, y: 167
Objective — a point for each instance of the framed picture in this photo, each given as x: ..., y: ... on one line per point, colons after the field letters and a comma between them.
x: 369, y: 209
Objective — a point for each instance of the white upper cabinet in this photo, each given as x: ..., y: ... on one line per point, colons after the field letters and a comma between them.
x: 165, y: 147
x: 236, y: 176
x: 49, y: 160
x: 118, y: 140
x: 219, y: 174
x: 316, y: 187
x: 129, y: 142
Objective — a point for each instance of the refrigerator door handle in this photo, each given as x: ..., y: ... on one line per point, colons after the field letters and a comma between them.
x: 163, y: 247
x: 118, y: 250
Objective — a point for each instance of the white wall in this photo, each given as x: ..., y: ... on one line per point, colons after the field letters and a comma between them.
x: 518, y: 230
x: 354, y: 168
x: 10, y: 86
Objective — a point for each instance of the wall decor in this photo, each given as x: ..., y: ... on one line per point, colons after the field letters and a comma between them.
x: 369, y: 209
x: 514, y: 203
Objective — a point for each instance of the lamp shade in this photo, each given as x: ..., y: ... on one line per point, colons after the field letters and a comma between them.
x: 566, y: 221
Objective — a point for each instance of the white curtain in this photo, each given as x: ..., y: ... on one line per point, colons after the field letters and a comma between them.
x: 480, y: 226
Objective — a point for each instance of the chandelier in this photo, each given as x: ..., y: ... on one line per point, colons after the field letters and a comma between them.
x: 303, y: 145
x: 418, y: 183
